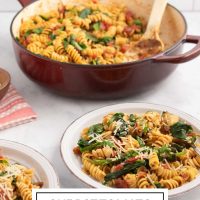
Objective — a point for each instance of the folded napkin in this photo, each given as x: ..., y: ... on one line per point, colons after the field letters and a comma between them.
x: 14, y: 110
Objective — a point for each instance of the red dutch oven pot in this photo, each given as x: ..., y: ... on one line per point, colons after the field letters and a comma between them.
x: 108, y: 81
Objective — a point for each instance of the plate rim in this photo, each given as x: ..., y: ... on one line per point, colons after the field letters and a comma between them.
x: 48, y: 162
x: 120, y: 104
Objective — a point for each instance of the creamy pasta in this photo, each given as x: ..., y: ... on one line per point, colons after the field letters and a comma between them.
x: 152, y: 150
x: 87, y: 33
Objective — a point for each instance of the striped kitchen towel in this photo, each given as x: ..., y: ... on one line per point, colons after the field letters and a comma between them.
x: 14, y: 110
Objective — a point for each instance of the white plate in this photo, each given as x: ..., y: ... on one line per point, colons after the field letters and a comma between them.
x: 72, y: 135
x: 30, y: 158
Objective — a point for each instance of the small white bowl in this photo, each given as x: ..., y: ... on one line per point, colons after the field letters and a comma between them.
x: 24, y: 155
x: 72, y: 135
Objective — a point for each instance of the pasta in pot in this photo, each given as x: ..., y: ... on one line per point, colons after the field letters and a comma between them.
x: 134, y: 151
x: 16, y: 181
x: 87, y: 33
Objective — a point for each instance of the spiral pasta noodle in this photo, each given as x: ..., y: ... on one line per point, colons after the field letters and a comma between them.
x: 131, y: 150
x: 93, y: 23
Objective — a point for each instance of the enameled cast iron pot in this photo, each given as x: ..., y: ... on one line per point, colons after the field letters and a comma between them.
x: 106, y: 81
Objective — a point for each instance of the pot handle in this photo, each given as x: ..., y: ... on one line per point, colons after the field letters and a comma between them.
x: 25, y: 2
x: 185, y: 57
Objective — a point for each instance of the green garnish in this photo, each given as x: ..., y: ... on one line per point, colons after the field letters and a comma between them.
x: 17, y: 38
x: 180, y: 130
x: 27, y: 33
x: 91, y: 37
x: 3, y: 173
x: 122, y: 130
x: 126, y: 169
x: 52, y: 36
x: 96, y: 26
x: 105, y: 40
x: 44, y: 18
x: 92, y: 146
x: 140, y: 141
x: 38, y: 30
x: 97, y: 128
x: 62, y: 28
x: 132, y: 119
x: 65, y: 43
x: 138, y: 22
x: 85, y: 12
x: 49, y: 43
x: 158, y: 185
x: 4, y: 162
x: 116, y: 117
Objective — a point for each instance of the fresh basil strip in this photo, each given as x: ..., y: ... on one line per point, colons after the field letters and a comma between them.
x: 180, y: 130
x: 85, y: 12
x: 105, y: 40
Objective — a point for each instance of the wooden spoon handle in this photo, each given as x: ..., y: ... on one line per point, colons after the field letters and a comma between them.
x: 155, y: 19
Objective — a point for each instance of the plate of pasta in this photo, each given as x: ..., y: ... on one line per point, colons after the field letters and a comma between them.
x: 134, y: 145
x: 23, y: 169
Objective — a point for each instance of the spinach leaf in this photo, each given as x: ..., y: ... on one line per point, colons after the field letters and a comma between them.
x: 65, y: 43
x: 38, y: 30
x: 140, y: 141
x: 27, y: 33
x: 177, y: 147
x: 180, y: 130
x: 122, y: 130
x: 83, y: 143
x: 3, y: 173
x: 103, y: 162
x: 97, y: 128
x: 91, y: 37
x: 158, y: 185
x: 85, y: 12
x: 105, y: 40
x: 138, y: 22
x: 132, y: 119
x: 4, y: 162
x: 44, y: 17
x: 165, y: 152
x: 116, y: 117
x: 52, y: 36
x: 126, y: 169
x: 96, y: 26
x: 131, y: 154
x: 92, y: 146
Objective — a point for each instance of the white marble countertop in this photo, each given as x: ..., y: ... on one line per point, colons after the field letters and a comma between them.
x: 181, y: 90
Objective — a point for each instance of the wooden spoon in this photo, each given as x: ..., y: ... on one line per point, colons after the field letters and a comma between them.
x: 151, y: 41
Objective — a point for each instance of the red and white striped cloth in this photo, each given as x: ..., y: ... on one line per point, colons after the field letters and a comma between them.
x: 14, y: 110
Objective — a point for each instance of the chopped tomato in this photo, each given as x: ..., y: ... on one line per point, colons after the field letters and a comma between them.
x: 94, y: 1
x: 104, y: 26
x: 119, y: 167
x: 129, y: 17
x: 119, y: 183
x: 185, y: 176
x: 124, y: 48
x: 131, y: 160
x: 129, y: 30
x: 191, y: 134
x: 77, y: 151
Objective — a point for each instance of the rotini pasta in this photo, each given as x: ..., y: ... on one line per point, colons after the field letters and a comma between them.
x: 134, y: 151
x: 16, y: 181
x: 86, y: 32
